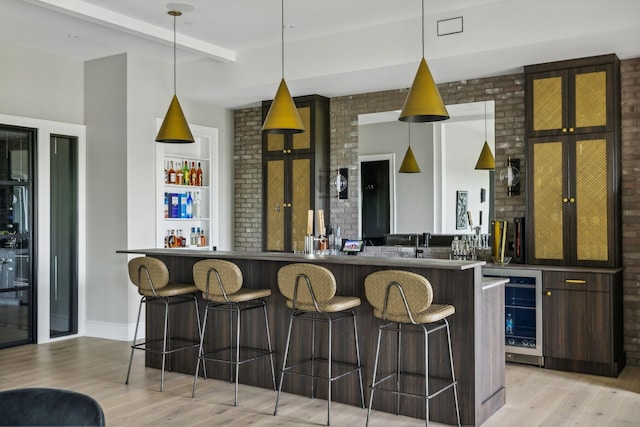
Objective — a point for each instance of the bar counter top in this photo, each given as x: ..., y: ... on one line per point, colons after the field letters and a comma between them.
x: 446, y: 264
x: 477, y: 328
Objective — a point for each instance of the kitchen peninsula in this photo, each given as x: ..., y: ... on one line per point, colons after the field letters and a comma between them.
x: 477, y: 327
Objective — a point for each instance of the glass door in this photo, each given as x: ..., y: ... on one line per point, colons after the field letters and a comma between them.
x: 63, y: 301
x: 17, y: 153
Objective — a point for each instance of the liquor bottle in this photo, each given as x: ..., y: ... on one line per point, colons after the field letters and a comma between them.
x: 166, y: 173
x: 199, y: 176
x: 197, y: 207
x: 193, y: 241
x: 166, y: 205
x: 179, y: 176
x: 203, y: 238
x: 198, y: 236
x: 193, y: 175
x: 171, y: 174
x: 185, y: 173
x: 172, y: 238
x: 189, y: 213
x: 183, y: 205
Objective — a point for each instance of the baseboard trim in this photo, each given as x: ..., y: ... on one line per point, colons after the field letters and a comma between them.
x: 113, y: 331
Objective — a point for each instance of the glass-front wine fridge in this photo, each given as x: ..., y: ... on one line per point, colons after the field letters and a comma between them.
x: 522, y: 314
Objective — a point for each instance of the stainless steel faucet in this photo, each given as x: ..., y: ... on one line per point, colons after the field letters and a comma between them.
x: 417, y: 241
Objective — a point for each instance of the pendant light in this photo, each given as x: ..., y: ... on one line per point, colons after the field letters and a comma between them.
x: 423, y: 103
x: 283, y: 115
x: 409, y: 163
x: 175, y: 128
x: 486, y: 161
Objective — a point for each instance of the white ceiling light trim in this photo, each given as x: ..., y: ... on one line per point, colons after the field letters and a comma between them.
x: 127, y: 24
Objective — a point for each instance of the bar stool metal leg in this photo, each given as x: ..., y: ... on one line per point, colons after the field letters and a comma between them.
x: 284, y: 363
x: 135, y: 337
x: 266, y: 325
x: 453, y: 373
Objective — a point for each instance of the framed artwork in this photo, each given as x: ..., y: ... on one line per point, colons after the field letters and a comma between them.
x: 461, y: 210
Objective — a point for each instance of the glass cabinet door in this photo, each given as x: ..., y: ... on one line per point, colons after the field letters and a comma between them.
x: 16, y: 231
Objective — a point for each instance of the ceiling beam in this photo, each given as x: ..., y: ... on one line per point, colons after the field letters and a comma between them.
x: 120, y: 22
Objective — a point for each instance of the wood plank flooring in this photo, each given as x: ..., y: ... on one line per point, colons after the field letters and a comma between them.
x: 535, y: 397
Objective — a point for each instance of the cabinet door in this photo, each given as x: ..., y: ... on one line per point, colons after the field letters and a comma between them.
x: 275, y: 206
x: 572, y: 216
x: 577, y: 317
x: 546, y: 186
x: 571, y: 101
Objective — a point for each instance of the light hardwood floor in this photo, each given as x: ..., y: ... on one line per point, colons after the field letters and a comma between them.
x: 535, y: 397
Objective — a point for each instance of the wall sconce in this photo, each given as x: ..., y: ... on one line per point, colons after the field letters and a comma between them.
x: 341, y: 183
x: 510, y: 176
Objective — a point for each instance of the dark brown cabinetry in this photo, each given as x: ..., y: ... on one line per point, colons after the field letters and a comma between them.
x: 573, y: 163
x: 295, y: 173
x: 582, y: 321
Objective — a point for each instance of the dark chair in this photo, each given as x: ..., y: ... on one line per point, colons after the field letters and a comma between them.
x: 48, y: 406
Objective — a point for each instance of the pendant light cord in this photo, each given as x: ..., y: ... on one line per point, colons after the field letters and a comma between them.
x: 282, y: 36
x: 174, y: 52
x: 423, y: 28
x: 485, y: 121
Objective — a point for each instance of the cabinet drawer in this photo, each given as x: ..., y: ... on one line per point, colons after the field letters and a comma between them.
x: 578, y: 281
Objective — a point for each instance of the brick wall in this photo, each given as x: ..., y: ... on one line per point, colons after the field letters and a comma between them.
x: 508, y: 94
x: 247, y: 180
x: 630, y: 99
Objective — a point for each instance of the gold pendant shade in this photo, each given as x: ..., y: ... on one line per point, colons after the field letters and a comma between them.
x: 409, y: 163
x: 486, y: 161
x: 174, y: 127
x: 423, y: 103
x: 283, y: 116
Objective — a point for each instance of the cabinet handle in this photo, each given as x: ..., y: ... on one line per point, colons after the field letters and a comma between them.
x: 548, y: 293
x: 575, y: 281
x: 277, y: 208
x: 572, y: 200
x: 284, y: 151
x: 565, y: 200
x: 564, y: 130
x: 571, y: 130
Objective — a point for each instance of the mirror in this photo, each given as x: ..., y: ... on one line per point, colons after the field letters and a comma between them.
x: 437, y: 199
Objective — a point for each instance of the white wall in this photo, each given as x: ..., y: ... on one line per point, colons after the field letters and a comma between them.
x: 39, y: 85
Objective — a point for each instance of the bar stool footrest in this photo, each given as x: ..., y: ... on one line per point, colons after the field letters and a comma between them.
x: 340, y: 369
x: 437, y: 385
x: 227, y: 355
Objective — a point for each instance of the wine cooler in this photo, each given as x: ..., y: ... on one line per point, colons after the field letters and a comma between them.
x: 522, y: 314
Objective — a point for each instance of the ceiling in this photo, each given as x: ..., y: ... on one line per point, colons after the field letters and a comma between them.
x: 229, y: 51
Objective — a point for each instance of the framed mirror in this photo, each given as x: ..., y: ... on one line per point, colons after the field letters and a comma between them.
x: 446, y: 153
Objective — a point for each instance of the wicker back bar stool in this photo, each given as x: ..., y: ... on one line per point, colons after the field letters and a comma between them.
x: 404, y: 298
x: 221, y: 285
x: 151, y: 276
x: 310, y: 291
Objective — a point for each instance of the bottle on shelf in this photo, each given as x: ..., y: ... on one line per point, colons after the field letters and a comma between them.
x: 189, y: 212
x: 509, y: 326
x: 171, y: 174
x: 193, y: 238
x: 185, y: 173
x: 203, y: 239
x: 193, y: 175
x: 199, y: 176
x: 197, y: 206
x: 183, y: 205
x: 166, y: 205
x: 179, y: 176
x: 166, y: 172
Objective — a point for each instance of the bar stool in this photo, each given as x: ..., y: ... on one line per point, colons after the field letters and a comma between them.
x: 221, y: 285
x: 151, y: 277
x: 310, y: 292
x: 400, y: 298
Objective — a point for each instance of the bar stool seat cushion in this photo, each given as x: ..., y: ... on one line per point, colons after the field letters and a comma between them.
x: 241, y: 295
x: 434, y: 313
x: 335, y: 304
x: 171, y: 290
